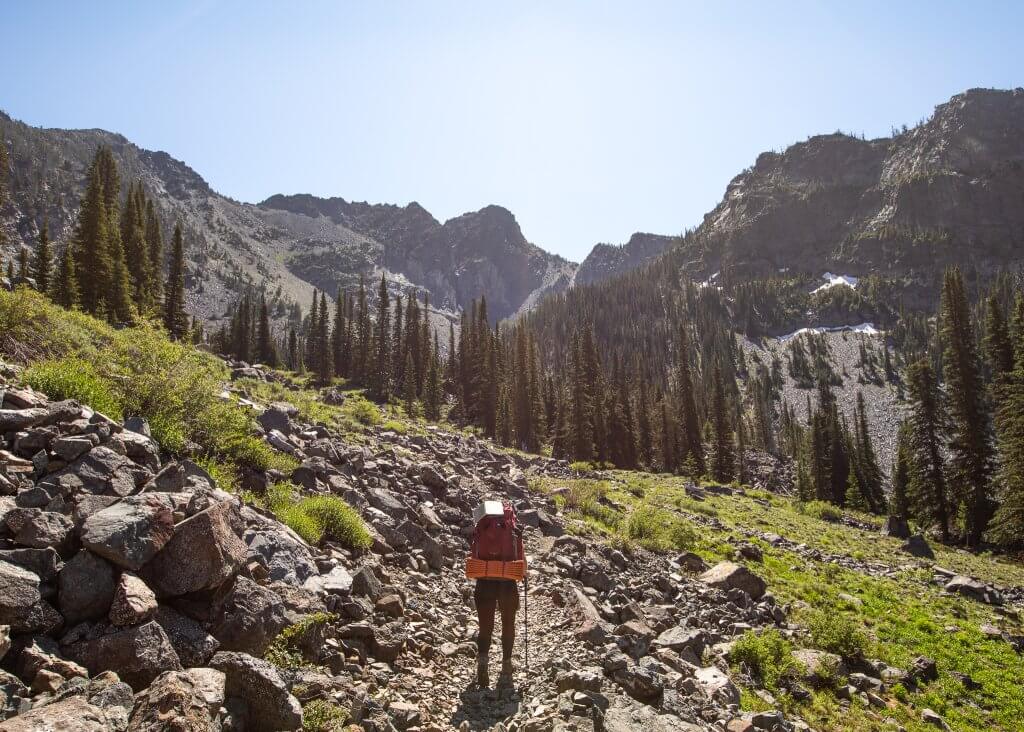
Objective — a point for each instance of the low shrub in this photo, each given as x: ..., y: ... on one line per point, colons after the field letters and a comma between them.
x: 340, y: 521
x: 362, y: 410
x: 74, y: 378
x: 285, y: 651
x: 820, y: 510
x: 131, y: 371
x: 321, y: 715
x: 837, y: 633
x: 767, y: 655
x: 316, y: 517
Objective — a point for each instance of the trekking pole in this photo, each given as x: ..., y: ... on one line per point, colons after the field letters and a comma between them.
x: 526, y: 620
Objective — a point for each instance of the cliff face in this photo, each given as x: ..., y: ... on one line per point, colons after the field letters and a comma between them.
x: 478, y: 253
x: 949, y: 191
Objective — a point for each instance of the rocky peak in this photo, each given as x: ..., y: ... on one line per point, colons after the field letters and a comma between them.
x: 608, y: 260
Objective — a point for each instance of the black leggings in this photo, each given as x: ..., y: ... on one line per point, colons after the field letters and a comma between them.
x: 489, y: 595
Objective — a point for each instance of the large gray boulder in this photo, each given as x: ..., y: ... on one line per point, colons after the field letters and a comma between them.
x: 85, y: 587
x: 271, y: 706
x: 174, y: 701
x: 41, y: 529
x: 21, y: 603
x: 974, y: 589
x: 101, y: 470
x: 129, y: 533
x: 203, y: 554
x: 71, y: 715
x: 729, y: 575
x: 194, y: 646
x: 249, y: 618
x: 133, y: 601
x: 138, y: 654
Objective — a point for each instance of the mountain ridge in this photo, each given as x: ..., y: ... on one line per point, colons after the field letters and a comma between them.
x: 295, y: 242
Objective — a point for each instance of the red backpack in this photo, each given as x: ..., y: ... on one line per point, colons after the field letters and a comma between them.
x: 496, y: 548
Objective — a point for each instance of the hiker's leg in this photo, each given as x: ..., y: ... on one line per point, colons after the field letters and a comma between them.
x: 485, y: 597
x: 509, y: 604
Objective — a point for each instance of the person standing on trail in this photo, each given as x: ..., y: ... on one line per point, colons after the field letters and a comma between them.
x: 497, y: 562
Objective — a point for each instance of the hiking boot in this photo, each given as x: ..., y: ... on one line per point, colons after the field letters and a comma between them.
x: 482, y: 679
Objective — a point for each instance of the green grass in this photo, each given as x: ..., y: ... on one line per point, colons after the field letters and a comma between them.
x: 132, y: 371
x: 659, y: 530
x: 317, y: 517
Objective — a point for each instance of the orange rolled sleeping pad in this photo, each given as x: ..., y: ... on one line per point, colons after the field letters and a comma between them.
x: 495, y: 569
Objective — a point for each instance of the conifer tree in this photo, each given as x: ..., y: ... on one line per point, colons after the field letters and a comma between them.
x: 119, y: 295
x: 900, y: 475
x: 312, y: 325
x: 817, y: 450
x: 265, y: 350
x: 927, y: 486
x: 644, y: 429
x: 692, y: 446
x: 804, y: 489
x: 65, y: 286
x: 338, y: 353
x: 23, y: 263
x: 133, y: 239
x: 741, y: 450
x: 324, y: 362
x: 409, y: 387
x: 970, y: 464
x: 723, y: 456
x: 293, y: 351
x: 175, y: 319
x: 582, y: 408
x: 432, y: 397
x: 668, y: 437
x: 362, y: 333
x: 997, y: 339
x: 397, y: 344
x: 42, y: 263
x: 381, y: 382
x: 1007, y: 526
x: 855, y: 498
x: 866, y: 460
x: 155, y: 253
x: 91, y: 247
x: 560, y: 438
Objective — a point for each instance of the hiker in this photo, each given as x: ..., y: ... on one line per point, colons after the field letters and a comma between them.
x: 497, y: 562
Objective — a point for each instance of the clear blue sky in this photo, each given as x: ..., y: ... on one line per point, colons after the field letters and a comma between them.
x: 587, y: 120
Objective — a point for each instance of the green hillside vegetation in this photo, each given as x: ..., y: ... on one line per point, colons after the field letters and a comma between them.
x: 135, y: 371
x: 892, y: 618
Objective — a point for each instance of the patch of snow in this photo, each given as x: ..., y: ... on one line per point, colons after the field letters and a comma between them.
x: 864, y: 328
x: 708, y: 282
x: 832, y: 280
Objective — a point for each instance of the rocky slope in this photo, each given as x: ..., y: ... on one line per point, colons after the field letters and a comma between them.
x: 945, y: 192
x: 136, y: 592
